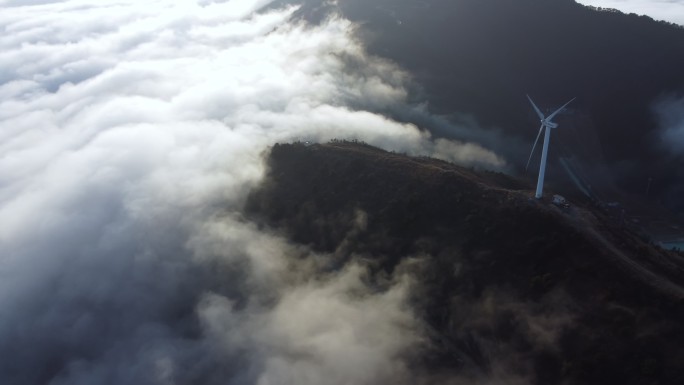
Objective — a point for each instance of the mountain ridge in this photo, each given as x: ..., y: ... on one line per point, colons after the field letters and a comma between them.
x: 483, y: 239
x: 479, y: 58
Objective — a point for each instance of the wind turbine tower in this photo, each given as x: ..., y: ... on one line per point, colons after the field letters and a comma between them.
x: 548, y: 124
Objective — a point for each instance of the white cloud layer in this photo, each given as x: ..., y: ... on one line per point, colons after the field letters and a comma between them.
x: 668, y: 10
x: 130, y: 133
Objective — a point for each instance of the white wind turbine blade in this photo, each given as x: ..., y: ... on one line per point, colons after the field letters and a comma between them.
x: 559, y: 110
x: 534, y: 146
x: 539, y: 113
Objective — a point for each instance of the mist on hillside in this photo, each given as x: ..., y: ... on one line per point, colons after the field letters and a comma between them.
x: 476, y: 60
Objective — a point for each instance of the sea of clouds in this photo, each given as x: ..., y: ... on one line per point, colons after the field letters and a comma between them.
x: 130, y: 135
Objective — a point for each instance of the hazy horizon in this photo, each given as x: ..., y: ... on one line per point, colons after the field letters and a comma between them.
x: 667, y: 10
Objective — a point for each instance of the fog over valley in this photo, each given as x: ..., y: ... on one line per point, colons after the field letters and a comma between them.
x: 131, y: 133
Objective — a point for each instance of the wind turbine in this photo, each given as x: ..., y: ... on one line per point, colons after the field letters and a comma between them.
x: 548, y: 124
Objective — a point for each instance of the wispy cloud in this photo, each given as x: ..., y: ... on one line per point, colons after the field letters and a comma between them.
x: 669, y: 110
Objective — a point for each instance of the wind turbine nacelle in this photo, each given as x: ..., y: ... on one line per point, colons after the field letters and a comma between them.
x: 551, y: 124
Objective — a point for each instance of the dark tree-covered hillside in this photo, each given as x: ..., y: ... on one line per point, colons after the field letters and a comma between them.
x: 511, y: 289
x: 480, y: 57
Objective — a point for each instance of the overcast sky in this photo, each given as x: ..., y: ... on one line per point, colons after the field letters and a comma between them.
x: 670, y: 10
